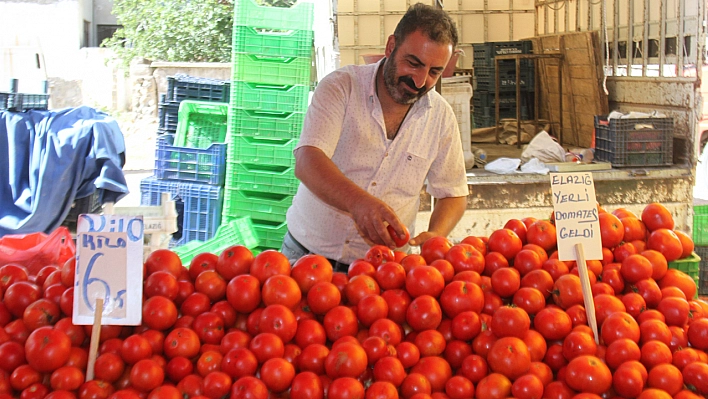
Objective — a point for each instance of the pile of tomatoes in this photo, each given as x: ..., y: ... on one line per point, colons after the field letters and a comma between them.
x: 489, y: 318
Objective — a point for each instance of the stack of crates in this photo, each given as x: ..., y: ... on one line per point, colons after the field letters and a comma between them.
x: 190, y: 164
x: 484, y: 99
x: 184, y: 87
x: 272, y: 49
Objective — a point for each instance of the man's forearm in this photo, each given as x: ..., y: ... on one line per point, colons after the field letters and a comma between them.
x: 316, y: 171
x: 446, y: 214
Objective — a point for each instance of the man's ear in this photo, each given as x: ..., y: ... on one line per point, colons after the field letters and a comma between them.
x: 390, y: 45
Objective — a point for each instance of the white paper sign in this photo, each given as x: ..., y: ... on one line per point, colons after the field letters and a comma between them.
x: 109, y: 265
x: 576, y: 215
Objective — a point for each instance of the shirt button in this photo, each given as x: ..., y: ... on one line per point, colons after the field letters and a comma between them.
x: 386, y: 154
x: 346, y: 241
x: 373, y: 184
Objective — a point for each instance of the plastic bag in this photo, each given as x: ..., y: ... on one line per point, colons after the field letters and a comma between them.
x: 543, y: 147
x: 503, y: 166
x: 534, y: 166
x: 36, y: 250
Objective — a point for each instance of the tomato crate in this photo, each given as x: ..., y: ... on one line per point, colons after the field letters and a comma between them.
x: 198, y: 206
x: 689, y: 265
x: 256, y: 204
x: 700, y: 225
x: 298, y: 17
x: 702, y: 251
x: 201, y: 123
x: 167, y: 115
x: 190, y: 164
x: 266, y: 124
x: 263, y: 178
x: 271, y: 69
x: 263, y: 151
x: 238, y: 231
x: 268, y: 41
x: 184, y: 87
x: 634, y: 141
x: 20, y: 102
x: 269, y: 97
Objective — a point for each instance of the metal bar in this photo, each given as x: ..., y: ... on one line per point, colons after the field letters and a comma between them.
x: 567, y: 17
x: 486, y: 21
x: 577, y: 16
x: 518, y: 103
x: 496, y: 97
x: 630, y: 37
x: 615, y: 38
x: 645, y: 39
x: 680, y: 43
x: 662, y: 37
x: 511, y: 20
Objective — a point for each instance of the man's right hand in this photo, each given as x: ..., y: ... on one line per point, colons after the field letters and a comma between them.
x: 372, y: 216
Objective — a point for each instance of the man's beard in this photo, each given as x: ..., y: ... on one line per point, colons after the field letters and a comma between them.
x: 398, y: 94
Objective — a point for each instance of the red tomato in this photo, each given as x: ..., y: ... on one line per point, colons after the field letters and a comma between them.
x: 163, y: 260
x: 424, y: 313
x: 527, y: 387
x: 655, y: 216
x: 340, y: 322
x: 619, y: 325
x: 493, y: 386
x: 381, y: 390
x: 509, y: 356
x: 553, y: 323
x: 567, y: 291
x: 312, y: 358
x: 611, y: 230
x: 40, y: 313
x: 210, y: 283
x: 461, y: 296
x: 390, y: 275
x: 494, y: 261
x: 386, y: 329
x: 346, y: 360
x: 243, y: 292
x: 529, y: 299
x: 510, y: 321
x: 629, y: 380
x: 465, y: 257
x: 306, y: 384
x: 47, y: 349
x: 279, y: 320
x: 588, y: 374
x: 249, y: 388
x: 95, y: 389
x: 209, y: 327
x: 234, y: 261
x: 19, y: 295
x: 202, y: 262
x: 666, y: 242
x: 277, y: 374
x: 506, y: 281
x: 543, y: 234
x: 518, y: 227
x: 360, y: 286
x: 66, y: 378
x: 527, y: 261
x: 677, y: 278
x: 146, y: 375
x: 159, y: 313
x: 371, y: 308
x: 400, y: 241
x: 10, y: 274
x: 322, y: 297
x: 182, y: 342
x: 135, y: 348
x: 269, y: 263
x: 161, y: 283
x: 280, y: 289
x: 578, y: 343
x: 435, y: 248
x: 696, y: 374
x: 310, y: 270
x: 345, y: 388
x: 424, y: 280
x: 506, y: 242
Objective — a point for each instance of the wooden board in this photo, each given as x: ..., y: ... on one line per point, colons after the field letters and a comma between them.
x: 582, y: 93
x: 577, y: 167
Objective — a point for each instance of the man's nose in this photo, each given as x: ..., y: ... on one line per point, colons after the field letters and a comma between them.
x: 419, y: 79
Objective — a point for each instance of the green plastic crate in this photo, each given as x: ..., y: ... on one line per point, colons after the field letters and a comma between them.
x: 263, y: 151
x: 690, y: 265
x: 257, y: 204
x: 700, y: 225
x: 271, y: 69
x: 298, y: 17
x: 270, y: 233
x: 201, y: 123
x: 278, y: 42
x: 271, y: 124
x: 269, y: 97
x: 238, y: 230
x: 251, y: 177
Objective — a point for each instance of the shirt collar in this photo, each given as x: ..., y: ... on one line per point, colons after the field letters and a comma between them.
x: 422, y: 102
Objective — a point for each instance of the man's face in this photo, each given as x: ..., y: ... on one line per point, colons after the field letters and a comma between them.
x: 413, y: 66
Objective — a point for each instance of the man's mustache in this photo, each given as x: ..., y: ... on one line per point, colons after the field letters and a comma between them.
x: 410, y: 83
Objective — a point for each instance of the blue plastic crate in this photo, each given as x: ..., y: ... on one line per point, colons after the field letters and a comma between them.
x: 198, y: 206
x: 168, y: 115
x: 190, y: 164
x: 184, y: 87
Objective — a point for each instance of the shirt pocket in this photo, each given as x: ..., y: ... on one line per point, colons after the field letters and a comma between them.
x: 413, y: 169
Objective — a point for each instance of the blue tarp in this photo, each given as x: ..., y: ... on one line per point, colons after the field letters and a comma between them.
x: 50, y: 158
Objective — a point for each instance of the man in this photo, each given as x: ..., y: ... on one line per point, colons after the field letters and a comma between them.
x: 372, y: 136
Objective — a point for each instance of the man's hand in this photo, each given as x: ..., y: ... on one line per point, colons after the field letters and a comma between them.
x: 422, y: 237
x: 372, y: 216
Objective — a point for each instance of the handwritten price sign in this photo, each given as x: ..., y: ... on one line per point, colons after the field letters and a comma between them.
x: 109, y: 266
x: 576, y: 216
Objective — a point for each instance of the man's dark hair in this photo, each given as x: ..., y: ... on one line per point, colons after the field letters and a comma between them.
x: 433, y: 22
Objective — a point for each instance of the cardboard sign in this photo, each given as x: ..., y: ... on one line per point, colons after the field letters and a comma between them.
x: 109, y: 266
x: 576, y: 216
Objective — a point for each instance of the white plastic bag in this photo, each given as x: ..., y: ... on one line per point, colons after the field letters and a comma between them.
x: 534, y: 166
x: 543, y: 147
x: 503, y: 166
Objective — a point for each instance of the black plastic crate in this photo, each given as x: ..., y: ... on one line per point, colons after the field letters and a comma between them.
x: 703, y: 270
x: 184, y: 87
x: 634, y: 141
x: 506, y: 85
x: 484, y: 53
x: 88, y: 204
x: 484, y: 98
x: 19, y: 102
x: 504, y: 112
x: 483, y: 121
x: 167, y: 115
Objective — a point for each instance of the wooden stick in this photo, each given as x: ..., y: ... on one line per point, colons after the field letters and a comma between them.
x: 587, y: 290
x: 95, y: 337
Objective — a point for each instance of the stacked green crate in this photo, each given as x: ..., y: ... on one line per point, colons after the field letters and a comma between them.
x: 272, y: 49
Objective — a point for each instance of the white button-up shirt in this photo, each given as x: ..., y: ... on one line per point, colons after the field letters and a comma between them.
x: 346, y: 122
